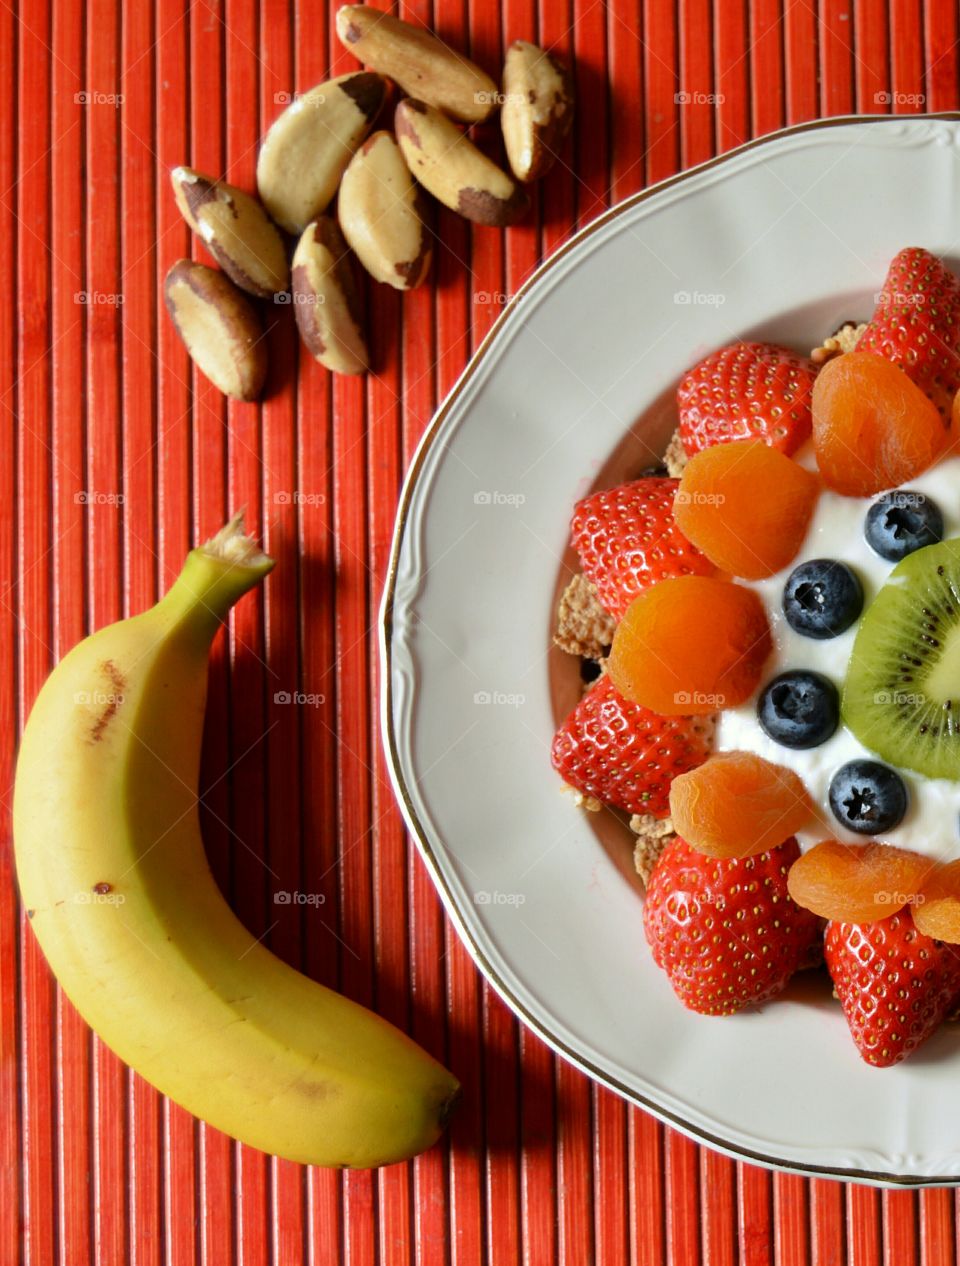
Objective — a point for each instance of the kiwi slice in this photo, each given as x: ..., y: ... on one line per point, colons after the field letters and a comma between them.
x: 901, y: 697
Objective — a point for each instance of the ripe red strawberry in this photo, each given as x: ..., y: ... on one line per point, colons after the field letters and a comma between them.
x: 916, y: 324
x: 747, y: 391
x: 896, y: 986
x: 726, y: 932
x: 624, y: 754
x: 627, y: 540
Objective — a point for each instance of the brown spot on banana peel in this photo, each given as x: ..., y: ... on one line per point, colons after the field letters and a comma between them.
x: 367, y: 91
x: 114, y: 698
x: 315, y: 1091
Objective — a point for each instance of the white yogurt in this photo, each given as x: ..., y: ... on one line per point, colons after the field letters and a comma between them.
x: 932, y: 821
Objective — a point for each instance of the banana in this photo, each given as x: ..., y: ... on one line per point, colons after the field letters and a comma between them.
x: 116, y: 885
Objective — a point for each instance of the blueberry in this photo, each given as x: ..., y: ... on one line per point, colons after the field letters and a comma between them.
x: 799, y: 709
x: 822, y: 598
x: 868, y: 797
x: 900, y: 522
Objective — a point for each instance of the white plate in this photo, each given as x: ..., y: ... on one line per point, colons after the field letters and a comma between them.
x: 781, y: 239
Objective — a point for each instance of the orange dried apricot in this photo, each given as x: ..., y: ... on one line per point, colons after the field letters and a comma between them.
x: 738, y: 804
x: 746, y: 506
x: 936, y: 911
x: 690, y: 645
x: 873, y: 428
x: 857, y: 883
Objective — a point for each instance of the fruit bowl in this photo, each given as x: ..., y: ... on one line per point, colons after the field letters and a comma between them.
x: 781, y: 240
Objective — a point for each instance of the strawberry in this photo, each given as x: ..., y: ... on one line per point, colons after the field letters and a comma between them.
x: 726, y: 932
x: 624, y: 754
x: 627, y: 540
x: 896, y: 986
x: 746, y: 391
x: 916, y: 324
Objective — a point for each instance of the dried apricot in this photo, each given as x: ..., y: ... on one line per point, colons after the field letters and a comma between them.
x: 857, y: 883
x: 746, y: 506
x: 872, y: 427
x: 936, y: 911
x: 738, y: 804
x: 690, y: 645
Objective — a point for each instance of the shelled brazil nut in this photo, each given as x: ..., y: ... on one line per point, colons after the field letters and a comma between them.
x: 309, y: 145
x: 219, y: 326
x: 451, y: 167
x: 382, y: 213
x: 537, y: 109
x: 327, y: 300
x: 318, y: 149
x: 236, y: 230
x: 421, y: 64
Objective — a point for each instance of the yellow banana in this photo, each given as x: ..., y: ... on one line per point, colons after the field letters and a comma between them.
x: 114, y: 879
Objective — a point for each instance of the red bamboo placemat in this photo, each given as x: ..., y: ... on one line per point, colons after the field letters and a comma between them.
x: 116, y: 457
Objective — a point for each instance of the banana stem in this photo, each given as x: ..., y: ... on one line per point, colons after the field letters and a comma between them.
x: 215, y: 576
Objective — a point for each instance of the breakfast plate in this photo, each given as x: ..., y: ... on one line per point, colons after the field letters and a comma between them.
x: 783, y: 240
